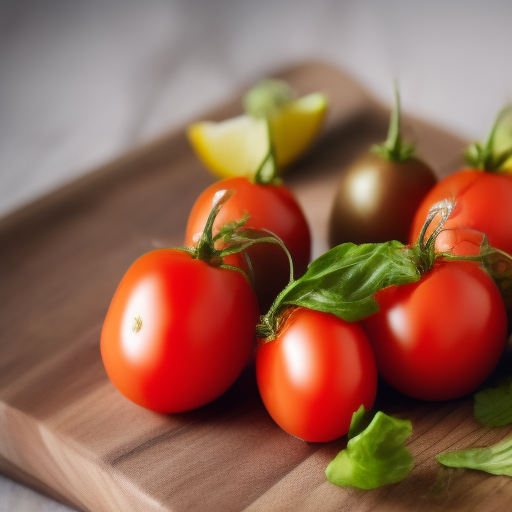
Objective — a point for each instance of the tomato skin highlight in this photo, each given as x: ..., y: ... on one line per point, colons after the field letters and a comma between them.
x: 483, y: 203
x: 441, y: 337
x: 316, y: 374
x: 178, y: 331
x: 271, y: 207
x: 376, y: 199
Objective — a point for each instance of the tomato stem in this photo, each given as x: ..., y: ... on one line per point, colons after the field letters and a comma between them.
x: 235, y: 236
x: 445, y: 208
x: 484, y: 156
x: 427, y: 254
x: 394, y: 140
x: 205, y: 249
x: 267, y: 171
x: 393, y: 149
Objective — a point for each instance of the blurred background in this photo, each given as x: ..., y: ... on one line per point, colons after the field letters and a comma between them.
x: 82, y: 82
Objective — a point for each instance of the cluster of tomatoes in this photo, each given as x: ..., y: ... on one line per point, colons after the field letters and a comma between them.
x: 182, y: 323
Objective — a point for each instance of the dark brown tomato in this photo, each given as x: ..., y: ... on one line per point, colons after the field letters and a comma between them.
x: 376, y: 200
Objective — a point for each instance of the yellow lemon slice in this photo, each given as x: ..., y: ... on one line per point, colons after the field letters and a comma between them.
x: 295, y: 127
x: 235, y: 147
x: 238, y: 146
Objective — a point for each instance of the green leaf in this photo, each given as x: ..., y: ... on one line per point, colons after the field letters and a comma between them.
x: 374, y: 457
x: 493, y: 406
x: 360, y: 420
x: 495, y: 459
x: 344, y: 280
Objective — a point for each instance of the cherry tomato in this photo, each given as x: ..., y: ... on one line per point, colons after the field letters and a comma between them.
x: 483, y: 203
x: 376, y: 198
x: 378, y: 194
x: 271, y: 207
x: 178, y: 331
x: 441, y: 337
x: 316, y: 374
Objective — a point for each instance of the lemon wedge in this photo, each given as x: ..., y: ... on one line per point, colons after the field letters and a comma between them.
x: 238, y: 146
x: 231, y: 148
x: 295, y: 127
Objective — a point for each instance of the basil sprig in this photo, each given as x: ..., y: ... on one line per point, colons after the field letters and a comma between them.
x: 375, y: 453
x: 345, y: 279
x: 493, y: 406
x: 495, y: 459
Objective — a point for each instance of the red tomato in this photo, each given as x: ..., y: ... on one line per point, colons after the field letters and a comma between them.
x: 316, y: 374
x: 441, y: 337
x: 483, y: 203
x: 178, y: 331
x: 464, y: 242
x: 271, y: 207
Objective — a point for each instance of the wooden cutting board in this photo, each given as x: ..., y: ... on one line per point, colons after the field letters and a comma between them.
x: 67, y: 432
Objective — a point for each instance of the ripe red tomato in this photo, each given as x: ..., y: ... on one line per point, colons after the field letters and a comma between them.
x: 483, y: 203
x: 178, y: 331
x: 271, y: 207
x: 316, y: 374
x: 441, y: 337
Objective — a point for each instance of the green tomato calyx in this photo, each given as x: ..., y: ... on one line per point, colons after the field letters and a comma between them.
x: 233, y: 237
x: 487, y: 156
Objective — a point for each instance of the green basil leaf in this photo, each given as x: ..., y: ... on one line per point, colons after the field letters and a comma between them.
x: 495, y: 459
x: 493, y: 406
x: 360, y: 420
x: 374, y: 457
x: 344, y: 280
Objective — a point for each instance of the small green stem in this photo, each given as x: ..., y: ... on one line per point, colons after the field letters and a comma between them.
x: 205, y: 249
x: 484, y: 157
x: 502, y: 157
x: 489, y: 145
x: 267, y: 171
x: 268, y: 326
x: 427, y: 255
x: 393, y: 149
x: 445, y: 208
x: 246, y: 243
x: 394, y: 140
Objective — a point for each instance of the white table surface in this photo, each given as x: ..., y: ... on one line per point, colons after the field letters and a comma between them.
x: 83, y: 82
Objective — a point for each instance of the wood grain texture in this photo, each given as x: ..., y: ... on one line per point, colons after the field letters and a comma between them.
x: 67, y: 432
